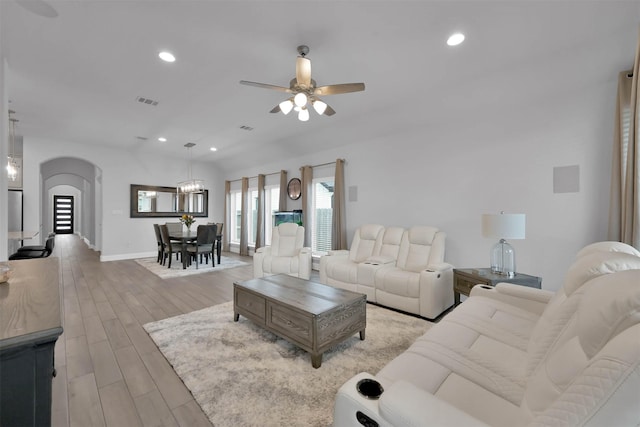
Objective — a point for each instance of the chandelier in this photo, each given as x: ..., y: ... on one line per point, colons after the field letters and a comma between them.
x: 191, y: 185
x: 12, y: 165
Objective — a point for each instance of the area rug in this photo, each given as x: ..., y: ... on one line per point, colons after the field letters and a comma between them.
x: 242, y: 375
x: 176, y: 269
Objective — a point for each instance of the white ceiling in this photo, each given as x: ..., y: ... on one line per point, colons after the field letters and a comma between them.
x: 76, y: 77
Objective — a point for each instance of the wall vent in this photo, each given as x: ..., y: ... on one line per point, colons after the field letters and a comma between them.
x: 244, y: 127
x: 147, y: 101
x: 141, y: 138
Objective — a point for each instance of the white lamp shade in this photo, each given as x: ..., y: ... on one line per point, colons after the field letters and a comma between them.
x: 286, y: 106
x: 319, y: 106
x: 504, y: 226
x: 303, y: 115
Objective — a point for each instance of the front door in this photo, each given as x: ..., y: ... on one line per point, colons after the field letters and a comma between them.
x: 63, y: 214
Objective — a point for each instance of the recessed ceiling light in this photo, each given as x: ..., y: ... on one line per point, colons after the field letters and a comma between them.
x: 213, y: 149
x: 162, y: 139
x: 167, y: 56
x: 455, y: 39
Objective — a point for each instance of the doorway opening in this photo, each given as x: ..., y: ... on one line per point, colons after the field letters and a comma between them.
x: 63, y: 214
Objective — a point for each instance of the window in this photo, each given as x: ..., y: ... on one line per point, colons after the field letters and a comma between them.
x: 253, y: 216
x: 236, y: 215
x: 321, y: 215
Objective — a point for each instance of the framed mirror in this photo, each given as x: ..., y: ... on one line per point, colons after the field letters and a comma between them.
x: 294, y: 188
x: 157, y: 201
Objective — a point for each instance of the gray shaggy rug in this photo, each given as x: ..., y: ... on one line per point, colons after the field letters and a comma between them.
x: 242, y: 375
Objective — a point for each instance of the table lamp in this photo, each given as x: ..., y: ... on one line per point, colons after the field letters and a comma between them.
x: 503, y: 226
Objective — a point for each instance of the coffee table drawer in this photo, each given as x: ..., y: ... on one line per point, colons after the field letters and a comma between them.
x: 293, y: 324
x: 251, y: 303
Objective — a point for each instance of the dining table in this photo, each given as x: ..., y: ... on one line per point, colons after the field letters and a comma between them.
x: 184, y: 237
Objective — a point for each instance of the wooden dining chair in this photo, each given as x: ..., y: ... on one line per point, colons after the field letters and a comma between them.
x: 156, y: 229
x: 174, y: 227
x: 206, y: 238
x: 168, y: 245
x: 219, y: 227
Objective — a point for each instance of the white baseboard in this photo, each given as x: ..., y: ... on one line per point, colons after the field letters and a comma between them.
x: 120, y: 257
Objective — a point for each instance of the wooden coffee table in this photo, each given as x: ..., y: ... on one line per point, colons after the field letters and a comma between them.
x: 313, y: 316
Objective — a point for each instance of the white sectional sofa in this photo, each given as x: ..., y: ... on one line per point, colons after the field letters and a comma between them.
x: 394, y: 267
x: 517, y: 356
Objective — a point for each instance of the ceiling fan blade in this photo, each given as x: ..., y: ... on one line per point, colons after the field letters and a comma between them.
x: 266, y: 86
x: 329, y: 111
x: 276, y: 109
x: 338, y: 89
x: 303, y: 72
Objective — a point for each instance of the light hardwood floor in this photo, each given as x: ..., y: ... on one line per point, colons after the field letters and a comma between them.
x: 109, y: 372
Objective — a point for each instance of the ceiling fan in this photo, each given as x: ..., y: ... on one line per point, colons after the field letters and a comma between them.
x: 304, y: 91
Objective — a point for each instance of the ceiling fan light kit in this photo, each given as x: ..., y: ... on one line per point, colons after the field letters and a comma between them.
x: 304, y: 90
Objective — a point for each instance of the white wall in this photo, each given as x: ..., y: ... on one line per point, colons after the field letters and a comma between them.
x: 122, y: 237
x: 500, y: 158
x: 4, y: 144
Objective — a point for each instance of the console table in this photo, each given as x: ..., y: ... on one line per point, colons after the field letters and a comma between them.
x: 30, y: 324
x: 466, y: 278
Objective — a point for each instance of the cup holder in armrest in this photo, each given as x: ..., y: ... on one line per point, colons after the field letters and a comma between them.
x: 369, y: 388
x: 486, y: 287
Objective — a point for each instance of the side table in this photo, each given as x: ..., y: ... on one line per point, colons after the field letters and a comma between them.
x: 466, y: 278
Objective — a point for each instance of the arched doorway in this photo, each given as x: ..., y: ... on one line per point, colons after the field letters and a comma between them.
x: 82, y: 180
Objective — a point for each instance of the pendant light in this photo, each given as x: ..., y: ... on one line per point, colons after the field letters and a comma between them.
x: 190, y: 185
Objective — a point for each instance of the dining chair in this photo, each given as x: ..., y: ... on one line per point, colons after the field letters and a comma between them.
x: 40, y: 247
x: 174, y: 227
x: 168, y: 245
x: 219, y: 227
x: 35, y: 251
x: 206, y: 238
x: 156, y: 229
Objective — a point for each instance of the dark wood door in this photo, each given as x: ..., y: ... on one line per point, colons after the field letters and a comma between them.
x: 63, y: 214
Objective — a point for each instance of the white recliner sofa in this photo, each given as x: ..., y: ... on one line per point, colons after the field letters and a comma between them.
x: 286, y: 255
x: 517, y: 356
x: 395, y: 267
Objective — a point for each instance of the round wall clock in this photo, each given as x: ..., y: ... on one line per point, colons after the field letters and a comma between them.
x: 294, y: 188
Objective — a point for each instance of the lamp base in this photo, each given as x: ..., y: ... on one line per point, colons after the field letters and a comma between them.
x: 503, y: 259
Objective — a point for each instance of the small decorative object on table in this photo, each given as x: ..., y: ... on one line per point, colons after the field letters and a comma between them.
x: 5, y: 273
x: 187, y: 220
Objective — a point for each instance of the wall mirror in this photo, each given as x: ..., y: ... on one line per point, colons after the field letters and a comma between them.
x: 294, y: 189
x: 156, y: 201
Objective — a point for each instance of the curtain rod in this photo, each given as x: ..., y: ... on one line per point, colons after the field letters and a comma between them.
x: 251, y: 177
x: 325, y: 164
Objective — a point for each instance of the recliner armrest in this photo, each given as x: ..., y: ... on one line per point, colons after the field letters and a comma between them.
x: 338, y: 252
x: 439, y: 266
x: 531, y: 299
x: 404, y: 404
x: 263, y: 250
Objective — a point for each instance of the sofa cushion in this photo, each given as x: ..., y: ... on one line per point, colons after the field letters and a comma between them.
x: 365, y: 240
x: 287, y: 240
x: 608, y: 247
x: 281, y: 264
x: 611, y: 307
x: 390, y: 243
x: 596, y: 264
x: 343, y: 270
x: 398, y: 282
x: 415, y: 249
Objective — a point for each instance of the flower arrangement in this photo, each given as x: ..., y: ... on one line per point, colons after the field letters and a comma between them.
x: 187, y: 220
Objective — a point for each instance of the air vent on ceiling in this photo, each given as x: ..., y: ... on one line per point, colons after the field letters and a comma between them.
x: 147, y: 101
x: 141, y: 138
x: 244, y: 127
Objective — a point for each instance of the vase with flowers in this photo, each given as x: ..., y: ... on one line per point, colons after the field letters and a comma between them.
x: 187, y: 220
